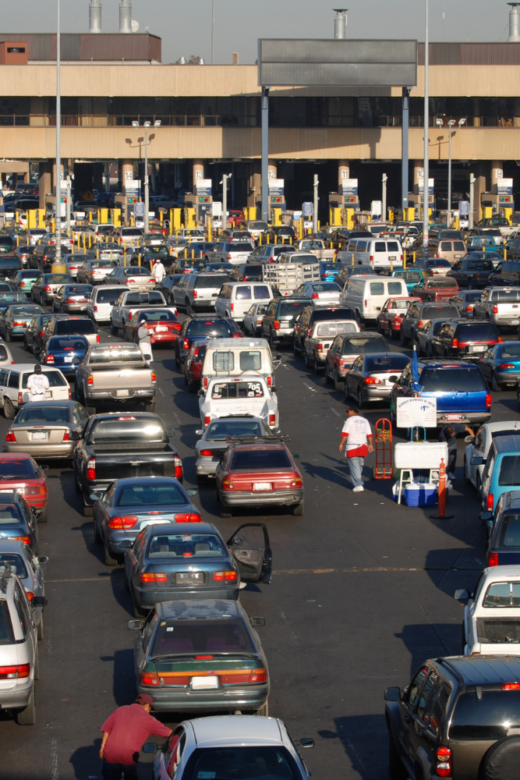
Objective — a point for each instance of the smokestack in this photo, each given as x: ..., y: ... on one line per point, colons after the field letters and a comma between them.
x: 514, y: 23
x: 340, y: 23
x: 94, y: 16
x: 125, y: 16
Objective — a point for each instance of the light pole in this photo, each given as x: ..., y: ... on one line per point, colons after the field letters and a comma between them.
x: 212, y: 32
x: 146, y: 126
x: 224, y: 182
x: 58, y: 138
x: 451, y: 124
x: 426, y: 189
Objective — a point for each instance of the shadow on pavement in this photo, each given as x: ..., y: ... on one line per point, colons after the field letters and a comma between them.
x: 359, y: 734
x: 430, y: 640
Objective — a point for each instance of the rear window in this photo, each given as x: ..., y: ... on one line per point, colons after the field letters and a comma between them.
x: 225, y: 390
x: 43, y: 414
x: 207, y: 282
x: 505, y: 295
x: 56, y: 379
x: 17, y: 468
x: 380, y: 246
x: 75, y: 326
x: 480, y: 265
x: 378, y: 288
x: 151, y: 495
x: 360, y: 345
x: 261, y: 293
x: 435, y: 283
x: 387, y: 363
x: 216, y: 329
x: 157, y: 316
x: 335, y: 328
x: 103, y: 264
x: 509, y: 470
x: 450, y: 380
x: 76, y: 344
x: 16, y: 563
x: 488, y: 716
x: 393, y: 246
x: 511, y: 350
x: 446, y: 246
x: 57, y: 279
x: 243, y: 293
x: 224, y: 429
x: 115, y: 355
x: 326, y: 287
x: 199, y: 637
x: 290, y: 309
x: 269, y: 761
x: 260, y: 459
x: 131, y: 232
x: 459, y: 246
x: 510, y: 531
x: 480, y: 332
x: 186, y: 546
x: 146, y: 429
x: 107, y: 296
x: 241, y: 246
x: 6, y: 627
x: 502, y: 595
x: 395, y: 288
x: 24, y: 311
x: 332, y: 314
x: 404, y: 304
x: 436, y: 312
x: 3, y: 353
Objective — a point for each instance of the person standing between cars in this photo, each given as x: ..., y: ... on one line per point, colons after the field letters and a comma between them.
x: 357, y: 437
x: 124, y: 734
x: 159, y: 271
x: 38, y: 384
x: 145, y: 340
x: 449, y: 434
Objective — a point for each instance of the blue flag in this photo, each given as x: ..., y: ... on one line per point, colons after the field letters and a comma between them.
x: 415, y: 366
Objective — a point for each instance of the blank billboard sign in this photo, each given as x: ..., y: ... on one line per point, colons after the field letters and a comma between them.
x: 334, y: 63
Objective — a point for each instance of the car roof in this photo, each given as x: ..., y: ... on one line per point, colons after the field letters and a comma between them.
x: 187, y: 528
x: 11, y: 546
x: 501, y: 573
x: 40, y: 404
x: 232, y: 730
x: 236, y: 343
x: 7, y: 457
x: 261, y: 445
x: 20, y: 367
x: 483, y: 670
x: 196, y: 609
x: 446, y: 363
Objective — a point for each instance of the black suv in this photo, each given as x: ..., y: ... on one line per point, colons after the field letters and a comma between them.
x: 460, y: 338
x: 312, y: 314
x: 420, y: 313
x: 458, y: 719
x: 247, y: 272
x: 278, y: 321
x: 471, y: 273
x: 202, y: 326
x: 508, y: 274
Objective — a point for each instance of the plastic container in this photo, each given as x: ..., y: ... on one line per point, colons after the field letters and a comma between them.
x: 424, y: 494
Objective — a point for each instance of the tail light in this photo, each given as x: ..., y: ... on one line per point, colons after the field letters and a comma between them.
x: 230, y: 257
x: 495, y: 309
x: 49, y: 359
x: 18, y: 324
x: 154, y: 377
x: 10, y: 437
x: 98, y: 339
x: 272, y: 420
x: 488, y: 400
x: 186, y: 344
x: 188, y: 517
x: 258, y: 676
x: 148, y: 678
x: 153, y: 577
x: 454, y: 343
x: 297, y: 482
x: 70, y: 394
x: 401, y: 258
x: 15, y: 672
x: 443, y: 767
x: 195, y: 292
x: 179, y: 472
x: 508, y: 365
x: 206, y: 383
x: 232, y: 306
x: 90, y: 379
x: 493, y: 559
x: 269, y: 381
x: 469, y: 308
x: 66, y: 436
x: 224, y: 576
x: 276, y: 325
x: 29, y: 595
x: 510, y: 686
x: 41, y: 333
x: 490, y: 502
x: 95, y: 308
x: 91, y: 469
x: 123, y: 523
x: 206, y: 453
x: 35, y: 490
x: 227, y: 484
x: 371, y: 380
x: 314, y: 296
x: 420, y: 324
x: 207, y: 420
x: 20, y: 399
x: 24, y: 539
x: 48, y: 288
x: 371, y: 258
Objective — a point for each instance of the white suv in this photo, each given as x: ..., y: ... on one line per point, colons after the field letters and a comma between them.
x: 19, y: 666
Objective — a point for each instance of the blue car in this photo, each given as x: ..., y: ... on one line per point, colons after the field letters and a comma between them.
x: 15, y: 319
x: 459, y: 387
x: 329, y: 270
x: 61, y: 351
x: 504, y: 541
x: 7, y: 298
x: 501, y: 473
x: 501, y: 365
x: 411, y: 276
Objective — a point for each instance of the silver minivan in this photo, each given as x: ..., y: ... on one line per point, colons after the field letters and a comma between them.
x: 235, y: 298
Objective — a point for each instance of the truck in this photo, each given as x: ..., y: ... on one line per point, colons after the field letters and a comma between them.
x: 290, y: 272
x: 115, y: 372
x: 118, y: 446
x: 500, y: 305
x: 317, y: 247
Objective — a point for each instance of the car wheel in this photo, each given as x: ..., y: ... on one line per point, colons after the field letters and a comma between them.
x: 26, y: 345
x: 378, y: 328
x: 8, y: 409
x: 494, y: 385
x: 192, y: 387
x: 395, y: 765
x: 403, y: 339
x: 307, y: 360
x: 360, y: 401
x: 328, y: 378
x: 97, y: 536
x: 27, y: 717
x: 391, y: 334
x: 316, y: 366
x: 109, y: 561
x: 189, y: 307
x: 298, y: 509
x: 339, y: 384
x: 8, y: 336
x: 88, y: 511
x: 39, y: 629
x: 113, y: 330
x: 42, y: 517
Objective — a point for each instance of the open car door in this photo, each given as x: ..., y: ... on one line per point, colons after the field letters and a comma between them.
x: 252, y: 553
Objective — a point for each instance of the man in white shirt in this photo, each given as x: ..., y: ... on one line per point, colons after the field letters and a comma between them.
x: 37, y: 384
x: 357, y: 436
x: 159, y: 271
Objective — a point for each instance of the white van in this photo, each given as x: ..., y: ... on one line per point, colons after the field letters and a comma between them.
x: 379, y: 253
x: 235, y: 298
x: 366, y: 295
x: 103, y: 298
x: 231, y: 357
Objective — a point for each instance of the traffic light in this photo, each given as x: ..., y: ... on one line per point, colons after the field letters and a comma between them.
x: 274, y: 199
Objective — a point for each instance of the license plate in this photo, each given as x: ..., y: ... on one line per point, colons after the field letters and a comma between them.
x: 48, y: 394
x: 122, y: 393
x: 393, y: 257
x: 39, y: 436
x: 453, y: 416
x: 457, y: 257
x: 189, y: 578
x: 259, y: 486
x: 201, y: 683
x: 477, y: 349
x: 161, y: 329
x: 68, y: 359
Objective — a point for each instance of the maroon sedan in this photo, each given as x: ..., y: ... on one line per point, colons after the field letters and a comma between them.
x: 163, y: 325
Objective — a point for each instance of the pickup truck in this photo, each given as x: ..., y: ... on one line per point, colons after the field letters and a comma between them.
x: 115, y: 372
x: 497, y: 222
x: 128, y: 303
x: 247, y: 394
x: 500, y: 305
x: 290, y: 272
x: 435, y: 289
x: 114, y: 446
x: 317, y: 247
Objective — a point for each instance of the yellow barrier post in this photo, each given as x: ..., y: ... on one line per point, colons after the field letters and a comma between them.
x: 404, y: 259
x: 210, y: 229
x: 414, y: 257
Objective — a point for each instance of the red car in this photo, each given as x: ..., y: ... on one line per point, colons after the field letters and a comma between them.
x: 20, y: 472
x: 163, y: 325
x: 439, y: 288
x: 389, y: 320
x: 235, y: 217
x: 259, y: 474
x: 193, y: 365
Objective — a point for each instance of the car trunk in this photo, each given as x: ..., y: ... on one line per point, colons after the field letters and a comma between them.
x: 40, y: 434
x: 178, y: 670
x: 262, y: 481
x: 237, y: 406
x: 130, y: 379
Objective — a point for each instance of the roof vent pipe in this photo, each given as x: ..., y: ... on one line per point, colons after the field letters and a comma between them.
x: 514, y: 23
x: 94, y: 17
x: 340, y: 23
x: 125, y: 16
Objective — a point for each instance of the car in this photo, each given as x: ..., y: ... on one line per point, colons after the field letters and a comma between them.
x: 13, y: 386
x: 218, y: 267
x: 460, y: 338
x: 74, y: 262
x: 163, y: 326
x: 19, y: 648
x: 193, y: 363
x: 391, y: 315
x: 255, y: 227
x: 66, y: 325
x: 9, y: 266
x: 320, y: 293
x: 33, y: 336
x: 453, y: 719
x: 235, y: 298
x: 500, y: 474
x: 253, y: 317
x: 247, y: 393
x: 72, y: 298
x: 465, y: 301
x: 258, y: 473
x: 329, y: 270
x: 418, y: 315
x: 129, y: 505
x: 101, y: 301
x: 248, y: 272
x: 501, y: 365
x: 205, y: 326
x: 45, y: 287
x: 345, y: 349
x: 450, y: 249
x: 189, y: 265
x: 412, y: 276
x: 198, y: 291
x: 500, y: 305
x: 492, y: 613
x: 6, y: 358
x: 321, y: 333
x: 215, y: 440
x: 18, y: 521
x: 435, y: 289
x: 130, y: 301
x: 436, y: 266
x: 8, y: 298
x: 479, y: 446
x: 214, y: 644
x: 371, y: 377
x: 425, y: 336
x: 234, y: 252
x: 132, y: 277
x: 61, y: 351
x: 16, y: 557
x: 458, y: 385
x: 95, y: 271
x: 190, y: 234
x: 504, y: 540
x: 269, y: 253
x: 470, y: 273
x: 24, y: 280
x: 35, y: 234
x: 20, y: 472
x: 47, y: 429
x: 15, y: 319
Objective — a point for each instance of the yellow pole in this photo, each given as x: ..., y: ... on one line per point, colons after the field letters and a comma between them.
x: 210, y: 229
x: 124, y: 255
x: 404, y: 259
x: 414, y: 257
x: 352, y: 258
x: 84, y: 242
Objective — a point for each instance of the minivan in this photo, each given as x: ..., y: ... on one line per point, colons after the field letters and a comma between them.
x: 501, y: 472
x: 379, y: 253
x: 101, y: 301
x: 235, y: 298
x: 366, y: 295
x: 231, y: 357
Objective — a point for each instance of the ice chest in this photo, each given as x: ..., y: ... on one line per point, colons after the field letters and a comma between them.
x: 420, y: 454
x: 420, y: 494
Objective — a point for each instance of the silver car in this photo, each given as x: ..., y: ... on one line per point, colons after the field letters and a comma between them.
x: 47, y: 429
x: 95, y: 271
x: 215, y: 440
x: 320, y: 293
x: 425, y: 336
x: 253, y: 319
x: 198, y: 291
x: 134, y: 278
x: 28, y: 568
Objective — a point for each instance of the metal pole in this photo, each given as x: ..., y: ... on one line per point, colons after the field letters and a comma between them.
x: 224, y: 201
x: 68, y: 204
x: 146, y: 183
x: 212, y: 32
x: 471, y: 199
x: 449, y: 179
x: 383, y: 205
x: 265, y: 153
x: 426, y: 189
x: 58, y: 138
x: 315, y: 209
x: 404, y: 156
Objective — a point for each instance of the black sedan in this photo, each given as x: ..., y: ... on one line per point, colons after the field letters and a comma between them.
x: 372, y: 376
x: 130, y: 505
x: 191, y: 561
x: 501, y: 364
x: 167, y: 285
x: 18, y: 521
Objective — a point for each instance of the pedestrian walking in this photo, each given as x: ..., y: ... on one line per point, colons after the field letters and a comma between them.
x: 38, y: 384
x: 124, y: 734
x: 449, y: 434
x: 357, y: 438
x: 159, y: 272
x: 145, y: 340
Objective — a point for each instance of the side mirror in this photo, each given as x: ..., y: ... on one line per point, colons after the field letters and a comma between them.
x: 76, y: 361
x: 305, y: 742
x: 392, y: 694
x: 43, y: 559
x: 201, y: 392
x: 170, y: 431
x: 469, y: 439
x: 39, y: 601
x: 134, y: 625
x: 255, y: 621
x: 199, y: 432
x: 150, y: 747
x: 477, y: 461
x: 94, y: 497
x: 486, y: 517
x: 75, y: 435
x: 461, y: 595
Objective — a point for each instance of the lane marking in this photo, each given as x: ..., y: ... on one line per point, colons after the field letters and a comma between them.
x: 310, y: 388
x: 334, y: 411
x: 54, y: 760
x: 161, y: 391
x: 361, y: 569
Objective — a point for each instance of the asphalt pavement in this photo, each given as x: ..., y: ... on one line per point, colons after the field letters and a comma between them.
x: 362, y: 594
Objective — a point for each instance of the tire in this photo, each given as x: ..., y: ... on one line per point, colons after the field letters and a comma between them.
x: 27, y: 717
x: 88, y: 511
x: 26, y: 345
x: 224, y: 511
x: 328, y: 378
x: 298, y: 509
x: 316, y: 366
x: 403, y: 340
x: 501, y: 760
x: 150, y: 407
x: 339, y: 384
x: 306, y: 360
x: 97, y: 536
x: 391, y: 334
x: 192, y: 387
x: 42, y: 517
x: 39, y: 629
x: 8, y: 409
x: 113, y: 330
x: 494, y: 385
x: 77, y: 484
x: 188, y: 307
x: 109, y: 561
x: 8, y: 336
x: 264, y: 710
x: 395, y: 766
x: 360, y: 401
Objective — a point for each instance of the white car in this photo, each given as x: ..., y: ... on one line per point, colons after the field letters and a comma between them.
x: 246, y: 394
x: 13, y: 387
x: 101, y: 302
x: 480, y: 445
x: 34, y: 235
x: 321, y: 293
x: 492, y: 614
x: 191, y: 234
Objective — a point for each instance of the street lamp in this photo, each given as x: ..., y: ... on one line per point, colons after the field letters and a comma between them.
x: 58, y: 139
x: 426, y: 189
x: 451, y: 124
x: 146, y: 126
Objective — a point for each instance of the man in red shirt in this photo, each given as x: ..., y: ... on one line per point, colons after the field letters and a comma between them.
x: 124, y: 734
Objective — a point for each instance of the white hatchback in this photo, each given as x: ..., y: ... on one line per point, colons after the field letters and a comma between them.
x: 247, y: 394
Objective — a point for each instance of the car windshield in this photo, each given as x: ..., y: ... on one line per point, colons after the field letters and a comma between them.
x: 502, y: 595
x: 266, y: 762
x: 116, y: 354
x: 191, y: 545
x: 391, y: 362
x: 16, y: 563
x: 43, y: 414
x: 261, y: 459
x: 222, y: 430
x: 6, y: 627
x: 480, y: 332
x: 509, y: 471
x: 225, y: 390
x: 215, y: 328
x: 15, y: 469
x: 151, y: 495
x: 135, y: 429
x: 75, y: 326
x: 358, y: 346
x: 202, y: 636
x: 452, y: 380
x: 56, y: 378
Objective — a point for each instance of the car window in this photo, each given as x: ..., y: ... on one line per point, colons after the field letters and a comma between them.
x: 214, y: 328
x: 502, y: 595
x: 395, y: 288
x: 481, y: 714
x: 261, y: 292
x: 227, y: 390
x: 426, y: 693
x: 355, y: 345
x: 145, y: 429
x: 202, y: 636
x: 452, y: 380
x: 436, y: 710
x: 14, y: 380
x: 150, y: 495
x: 260, y: 459
x: 6, y: 626
x: 416, y: 687
x: 15, y: 562
x: 223, y: 361
x: 21, y: 609
x: 43, y: 414
x: 509, y: 471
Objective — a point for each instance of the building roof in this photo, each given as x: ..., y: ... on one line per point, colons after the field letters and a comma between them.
x: 90, y: 47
